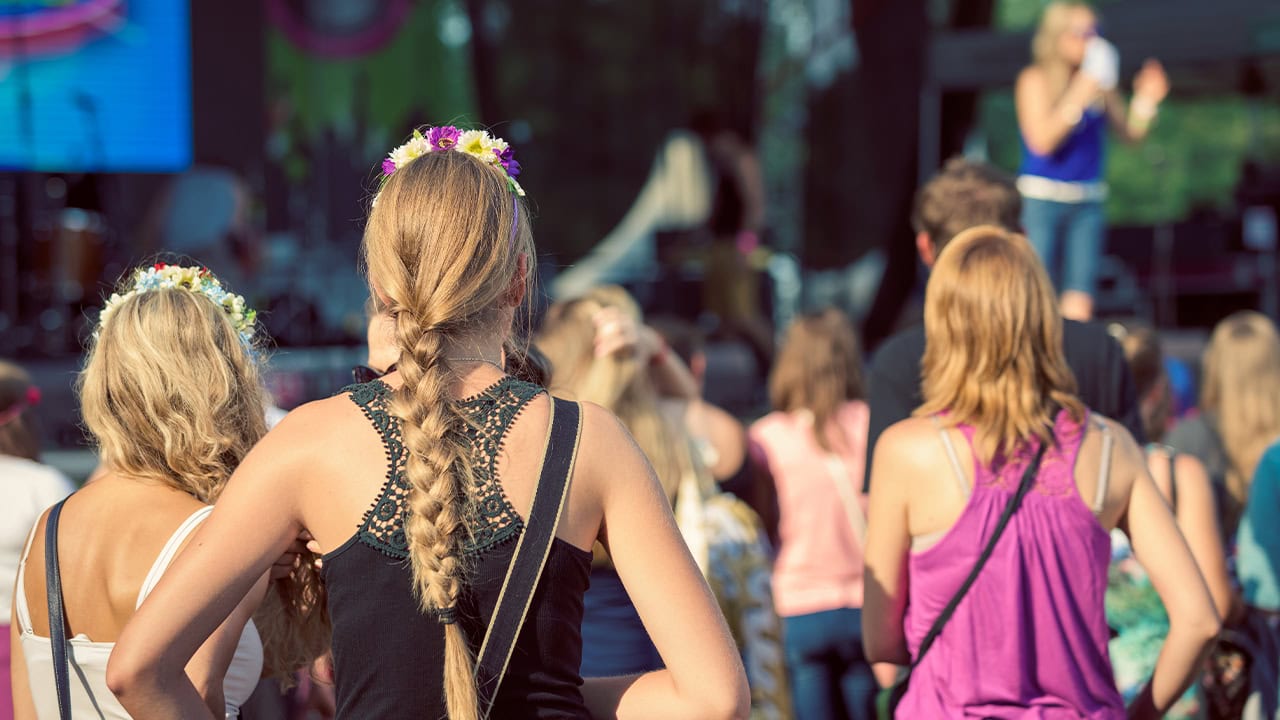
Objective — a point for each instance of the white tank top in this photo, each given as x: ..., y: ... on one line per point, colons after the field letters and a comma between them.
x: 90, y: 697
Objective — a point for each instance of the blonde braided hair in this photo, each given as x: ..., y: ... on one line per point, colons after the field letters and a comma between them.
x: 442, y: 255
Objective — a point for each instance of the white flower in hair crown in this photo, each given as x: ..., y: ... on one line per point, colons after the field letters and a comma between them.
x: 198, y: 280
x: 479, y: 144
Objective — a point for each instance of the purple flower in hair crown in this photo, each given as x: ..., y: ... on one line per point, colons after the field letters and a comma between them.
x: 443, y: 138
x: 479, y: 144
x: 508, y: 161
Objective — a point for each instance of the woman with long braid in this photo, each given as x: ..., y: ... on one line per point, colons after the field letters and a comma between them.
x: 422, y: 486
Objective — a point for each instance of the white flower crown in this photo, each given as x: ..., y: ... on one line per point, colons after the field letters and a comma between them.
x: 198, y: 280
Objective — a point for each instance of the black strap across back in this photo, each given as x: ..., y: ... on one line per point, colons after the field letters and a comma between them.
x: 57, y: 614
x: 531, y: 551
x: 1028, y: 479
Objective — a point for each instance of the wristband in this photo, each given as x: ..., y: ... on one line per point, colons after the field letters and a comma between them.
x: 1143, y: 109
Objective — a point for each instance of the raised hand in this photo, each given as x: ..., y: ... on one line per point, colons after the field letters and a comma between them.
x: 1151, y: 83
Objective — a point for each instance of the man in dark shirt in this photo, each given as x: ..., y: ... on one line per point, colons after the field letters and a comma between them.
x: 962, y: 195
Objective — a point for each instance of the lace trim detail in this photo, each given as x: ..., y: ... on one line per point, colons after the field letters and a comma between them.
x: 491, y: 517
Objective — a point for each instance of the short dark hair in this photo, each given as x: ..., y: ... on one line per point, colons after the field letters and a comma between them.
x: 965, y: 194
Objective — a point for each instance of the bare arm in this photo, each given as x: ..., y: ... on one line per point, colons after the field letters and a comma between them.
x: 1046, y: 122
x: 888, y: 543
x: 208, y: 667
x: 1160, y: 547
x: 1132, y: 121
x: 255, y: 520
x: 1197, y: 516
x: 704, y: 677
x: 23, y: 706
x: 724, y: 431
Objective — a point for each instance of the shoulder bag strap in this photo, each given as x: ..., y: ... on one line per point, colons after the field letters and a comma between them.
x: 57, y: 616
x: 532, y: 549
x: 838, y: 471
x: 1028, y: 479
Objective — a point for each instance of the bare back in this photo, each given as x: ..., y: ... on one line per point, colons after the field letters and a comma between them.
x: 109, y: 537
x: 937, y: 499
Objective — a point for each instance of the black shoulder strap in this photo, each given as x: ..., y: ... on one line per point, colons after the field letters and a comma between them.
x: 531, y: 551
x: 57, y: 617
x: 1028, y: 479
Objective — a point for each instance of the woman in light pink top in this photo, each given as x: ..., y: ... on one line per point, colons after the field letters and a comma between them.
x: 814, y: 444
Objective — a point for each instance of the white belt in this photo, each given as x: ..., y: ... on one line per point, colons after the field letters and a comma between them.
x: 1043, y: 188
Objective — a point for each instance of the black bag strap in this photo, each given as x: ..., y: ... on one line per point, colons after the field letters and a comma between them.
x: 57, y: 616
x: 530, y: 556
x: 1028, y: 479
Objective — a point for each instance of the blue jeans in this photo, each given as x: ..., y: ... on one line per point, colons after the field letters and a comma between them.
x: 830, y: 677
x: 614, y: 641
x: 1068, y: 239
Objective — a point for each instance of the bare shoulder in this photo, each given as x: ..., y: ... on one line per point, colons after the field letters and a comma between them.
x: 603, y: 434
x: 319, y: 415
x: 1128, y: 459
x: 909, y: 445
x: 607, y: 451
x: 1123, y: 438
x: 316, y: 426
x: 1031, y: 76
x: 907, y: 434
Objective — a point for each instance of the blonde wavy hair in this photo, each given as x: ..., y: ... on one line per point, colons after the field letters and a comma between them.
x: 441, y: 256
x: 1241, y: 391
x: 170, y: 393
x: 993, y: 343
x: 819, y: 369
x: 1055, y: 21
x: 618, y: 382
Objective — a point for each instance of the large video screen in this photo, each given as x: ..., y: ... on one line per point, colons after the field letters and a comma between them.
x: 95, y: 85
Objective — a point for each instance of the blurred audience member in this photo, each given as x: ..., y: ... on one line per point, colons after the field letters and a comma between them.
x: 1065, y: 100
x: 964, y: 194
x: 28, y: 488
x: 814, y: 443
x: 601, y: 352
x: 1030, y: 632
x: 1239, y: 408
x: 1133, y: 605
x: 172, y: 396
x: 719, y: 438
x: 1258, y: 567
x: 731, y: 290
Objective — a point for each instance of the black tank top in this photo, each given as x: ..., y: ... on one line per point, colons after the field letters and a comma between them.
x: 388, y: 655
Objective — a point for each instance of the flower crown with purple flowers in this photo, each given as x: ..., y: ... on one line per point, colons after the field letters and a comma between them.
x: 479, y: 144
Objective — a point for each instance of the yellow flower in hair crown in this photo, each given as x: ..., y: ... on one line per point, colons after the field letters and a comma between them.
x: 198, y: 280
x: 447, y: 138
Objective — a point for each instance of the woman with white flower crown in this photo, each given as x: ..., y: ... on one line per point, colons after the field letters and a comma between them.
x: 171, y: 395
x: 456, y: 505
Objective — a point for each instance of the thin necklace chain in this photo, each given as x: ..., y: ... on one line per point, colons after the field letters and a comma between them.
x: 485, y: 361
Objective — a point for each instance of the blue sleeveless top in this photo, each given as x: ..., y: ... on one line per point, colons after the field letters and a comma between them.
x: 1077, y: 159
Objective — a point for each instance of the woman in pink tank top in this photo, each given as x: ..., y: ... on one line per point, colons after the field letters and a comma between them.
x: 1029, y: 637
x: 814, y: 445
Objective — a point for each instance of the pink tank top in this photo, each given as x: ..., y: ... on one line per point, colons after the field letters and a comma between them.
x: 1029, y: 640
